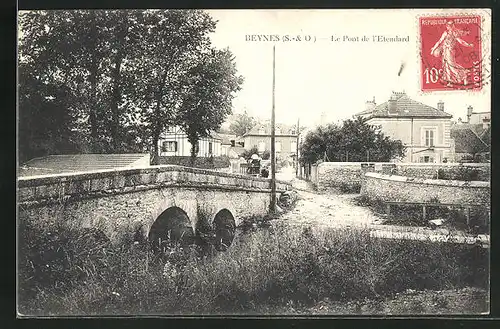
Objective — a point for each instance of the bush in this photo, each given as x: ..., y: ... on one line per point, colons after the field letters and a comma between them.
x: 199, y: 162
x: 271, y: 266
x: 461, y: 173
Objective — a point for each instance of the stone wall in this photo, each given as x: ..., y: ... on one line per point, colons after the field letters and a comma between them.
x: 429, y: 170
x: 120, y: 201
x: 333, y: 175
x: 382, y: 187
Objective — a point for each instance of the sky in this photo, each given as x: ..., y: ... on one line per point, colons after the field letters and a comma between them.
x: 327, y: 76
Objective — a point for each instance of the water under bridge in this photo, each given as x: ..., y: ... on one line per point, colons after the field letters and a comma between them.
x: 154, y: 203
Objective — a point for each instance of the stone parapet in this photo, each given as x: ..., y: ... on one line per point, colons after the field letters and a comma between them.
x: 332, y: 175
x: 395, y: 188
x: 108, y: 182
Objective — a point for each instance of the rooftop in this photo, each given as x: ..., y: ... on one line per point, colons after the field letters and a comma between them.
x: 264, y: 129
x: 468, y: 140
x: 58, y: 164
x: 227, y: 138
x: 404, y: 106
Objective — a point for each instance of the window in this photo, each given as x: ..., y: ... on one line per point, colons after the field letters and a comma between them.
x: 262, y: 131
x: 169, y: 146
x: 262, y: 146
x: 293, y: 146
x: 210, y: 148
x: 429, y: 138
x: 278, y: 146
x: 427, y: 159
x: 277, y: 131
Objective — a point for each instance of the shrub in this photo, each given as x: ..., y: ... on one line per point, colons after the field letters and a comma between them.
x: 199, y: 162
x: 275, y: 265
x: 461, y: 173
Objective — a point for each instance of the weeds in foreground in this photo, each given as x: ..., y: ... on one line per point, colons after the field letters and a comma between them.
x: 276, y: 265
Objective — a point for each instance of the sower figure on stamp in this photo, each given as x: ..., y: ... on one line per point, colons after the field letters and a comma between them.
x: 452, y: 71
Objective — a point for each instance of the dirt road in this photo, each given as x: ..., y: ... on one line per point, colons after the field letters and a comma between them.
x: 340, y: 210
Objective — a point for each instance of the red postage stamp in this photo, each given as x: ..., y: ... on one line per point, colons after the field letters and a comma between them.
x: 450, y: 52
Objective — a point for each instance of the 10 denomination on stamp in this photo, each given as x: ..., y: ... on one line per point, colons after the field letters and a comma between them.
x: 451, y: 54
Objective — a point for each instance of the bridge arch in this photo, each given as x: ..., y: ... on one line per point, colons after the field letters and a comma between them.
x: 224, y: 228
x: 172, y: 225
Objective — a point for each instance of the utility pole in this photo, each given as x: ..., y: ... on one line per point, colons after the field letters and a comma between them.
x: 297, y: 152
x: 273, y: 137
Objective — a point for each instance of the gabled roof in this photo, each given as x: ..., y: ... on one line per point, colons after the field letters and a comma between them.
x: 467, y: 140
x: 57, y: 164
x: 235, y: 151
x: 404, y: 107
x: 178, y: 131
x: 287, y: 130
x: 227, y: 138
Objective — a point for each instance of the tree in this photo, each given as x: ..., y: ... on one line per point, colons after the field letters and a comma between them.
x: 114, y: 80
x: 81, y: 51
x: 44, y: 123
x: 354, y: 141
x: 172, y: 43
x: 208, y: 92
x: 319, y: 144
x: 266, y: 155
x: 242, y: 124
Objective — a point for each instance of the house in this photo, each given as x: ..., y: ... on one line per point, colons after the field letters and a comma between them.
x: 472, y: 139
x: 478, y: 118
x: 233, y: 149
x: 174, y: 142
x: 285, y: 139
x: 230, y: 143
x: 423, y: 129
x: 59, y: 164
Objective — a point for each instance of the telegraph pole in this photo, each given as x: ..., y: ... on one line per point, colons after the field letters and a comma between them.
x: 273, y: 137
x: 297, y: 151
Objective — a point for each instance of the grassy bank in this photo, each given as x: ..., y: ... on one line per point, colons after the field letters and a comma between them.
x: 265, y: 269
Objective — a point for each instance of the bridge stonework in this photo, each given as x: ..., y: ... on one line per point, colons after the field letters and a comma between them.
x: 129, y: 201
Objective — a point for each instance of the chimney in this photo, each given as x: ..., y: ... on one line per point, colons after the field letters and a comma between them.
x: 392, y: 108
x: 440, y: 106
x: 469, y: 112
x: 459, y: 120
x: 392, y: 103
x: 486, y: 123
x: 370, y: 105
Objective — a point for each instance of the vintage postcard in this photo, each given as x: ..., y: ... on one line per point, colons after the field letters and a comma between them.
x: 254, y: 162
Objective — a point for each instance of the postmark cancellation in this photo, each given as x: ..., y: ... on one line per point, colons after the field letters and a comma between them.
x: 452, y: 53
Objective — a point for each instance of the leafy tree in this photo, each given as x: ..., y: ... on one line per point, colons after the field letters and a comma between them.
x: 318, y: 144
x: 207, y: 95
x: 266, y: 155
x: 172, y: 42
x: 354, y: 141
x: 44, y: 123
x: 113, y: 80
x: 242, y: 124
x: 81, y: 51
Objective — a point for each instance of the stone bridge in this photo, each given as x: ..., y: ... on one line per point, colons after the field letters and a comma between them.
x: 155, y: 204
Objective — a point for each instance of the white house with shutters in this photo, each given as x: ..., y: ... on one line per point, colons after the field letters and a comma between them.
x: 174, y: 142
x: 423, y: 129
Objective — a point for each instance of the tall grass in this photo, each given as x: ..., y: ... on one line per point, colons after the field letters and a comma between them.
x: 272, y: 266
